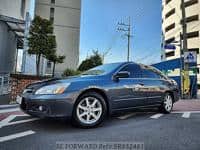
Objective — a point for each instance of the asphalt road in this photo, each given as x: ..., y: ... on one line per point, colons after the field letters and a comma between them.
x: 176, y: 131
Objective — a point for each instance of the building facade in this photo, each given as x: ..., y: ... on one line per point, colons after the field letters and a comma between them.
x: 65, y: 15
x: 12, y: 19
x: 172, y: 28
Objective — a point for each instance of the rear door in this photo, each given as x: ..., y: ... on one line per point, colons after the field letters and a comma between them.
x: 154, y: 84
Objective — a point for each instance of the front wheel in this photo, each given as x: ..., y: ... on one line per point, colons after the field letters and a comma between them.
x: 167, y: 105
x: 89, y: 111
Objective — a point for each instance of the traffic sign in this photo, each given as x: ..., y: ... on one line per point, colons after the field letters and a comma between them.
x: 190, y: 57
x: 170, y: 46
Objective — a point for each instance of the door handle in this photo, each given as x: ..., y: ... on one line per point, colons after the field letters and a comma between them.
x: 141, y: 84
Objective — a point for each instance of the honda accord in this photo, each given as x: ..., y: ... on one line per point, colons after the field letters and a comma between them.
x: 104, y: 90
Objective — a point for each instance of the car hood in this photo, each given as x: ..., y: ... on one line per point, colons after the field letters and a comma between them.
x: 70, y: 79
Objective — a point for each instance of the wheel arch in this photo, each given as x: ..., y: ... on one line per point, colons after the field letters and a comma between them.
x: 172, y: 94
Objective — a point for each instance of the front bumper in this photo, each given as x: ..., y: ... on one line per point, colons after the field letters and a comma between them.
x: 47, y: 106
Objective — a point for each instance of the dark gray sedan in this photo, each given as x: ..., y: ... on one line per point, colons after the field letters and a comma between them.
x: 101, y: 91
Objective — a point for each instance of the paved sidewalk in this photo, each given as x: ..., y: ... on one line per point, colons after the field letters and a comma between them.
x: 187, y: 105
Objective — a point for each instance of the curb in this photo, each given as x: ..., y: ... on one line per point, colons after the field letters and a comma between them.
x: 8, y: 106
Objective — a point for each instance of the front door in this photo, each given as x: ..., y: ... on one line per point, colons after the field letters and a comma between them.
x: 129, y: 92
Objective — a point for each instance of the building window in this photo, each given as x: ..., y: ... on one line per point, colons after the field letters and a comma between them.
x: 191, y: 18
x: 170, y: 27
x: 190, y: 2
x: 48, y: 64
x: 194, y: 50
x: 169, y: 54
x: 192, y: 34
x: 52, y: 10
x: 170, y: 40
x: 23, y: 4
x: 167, y: 1
x: 52, y: 1
x: 171, y: 12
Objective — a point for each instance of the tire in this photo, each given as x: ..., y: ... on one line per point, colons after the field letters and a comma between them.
x: 167, y: 104
x: 89, y: 111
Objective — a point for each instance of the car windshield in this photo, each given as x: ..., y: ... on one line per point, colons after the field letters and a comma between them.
x: 103, y: 69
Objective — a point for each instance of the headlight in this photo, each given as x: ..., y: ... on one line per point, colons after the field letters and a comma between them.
x: 58, y: 88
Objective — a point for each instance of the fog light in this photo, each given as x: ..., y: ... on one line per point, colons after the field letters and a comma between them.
x: 40, y: 108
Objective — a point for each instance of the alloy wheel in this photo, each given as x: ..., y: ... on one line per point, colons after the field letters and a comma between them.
x: 89, y: 110
x: 168, y: 103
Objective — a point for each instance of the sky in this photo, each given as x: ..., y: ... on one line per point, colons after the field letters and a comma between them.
x: 99, y: 20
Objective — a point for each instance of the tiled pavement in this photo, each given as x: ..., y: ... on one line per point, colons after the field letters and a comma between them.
x: 187, y: 105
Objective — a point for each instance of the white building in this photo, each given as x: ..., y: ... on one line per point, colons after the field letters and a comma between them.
x: 12, y: 20
x: 65, y: 15
x: 171, y: 27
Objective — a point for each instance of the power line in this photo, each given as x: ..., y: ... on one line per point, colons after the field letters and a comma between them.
x: 126, y: 28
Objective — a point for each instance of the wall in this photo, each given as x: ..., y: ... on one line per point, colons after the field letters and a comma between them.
x: 66, y: 29
x: 8, y: 45
x: 19, y: 82
x: 13, y: 8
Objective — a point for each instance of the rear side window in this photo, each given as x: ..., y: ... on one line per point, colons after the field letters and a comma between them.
x: 149, y: 73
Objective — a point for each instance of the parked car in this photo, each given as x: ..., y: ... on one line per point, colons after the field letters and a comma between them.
x: 101, y: 91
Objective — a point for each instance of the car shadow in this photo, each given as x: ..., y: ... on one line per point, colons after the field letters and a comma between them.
x: 65, y: 124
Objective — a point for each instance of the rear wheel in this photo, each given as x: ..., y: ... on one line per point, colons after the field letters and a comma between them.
x: 167, y: 103
x: 90, y: 110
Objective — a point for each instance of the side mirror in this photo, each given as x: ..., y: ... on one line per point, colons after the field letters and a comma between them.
x: 122, y: 74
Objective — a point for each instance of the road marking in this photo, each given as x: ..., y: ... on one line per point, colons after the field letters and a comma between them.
x: 15, y: 136
x: 186, y: 115
x: 21, y: 121
x: 156, y: 116
x: 22, y: 115
x: 126, y: 116
x: 6, y: 120
x: 9, y: 110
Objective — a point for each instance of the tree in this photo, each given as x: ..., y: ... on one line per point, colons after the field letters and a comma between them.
x: 55, y: 59
x: 93, y: 61
x: 70, y: 72
x: 41, y: 41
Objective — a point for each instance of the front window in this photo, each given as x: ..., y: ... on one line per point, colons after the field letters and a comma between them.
x: 103, y: 69
x: 134, y: 70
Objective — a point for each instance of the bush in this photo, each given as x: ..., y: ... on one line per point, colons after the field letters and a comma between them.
x: 70, y: 72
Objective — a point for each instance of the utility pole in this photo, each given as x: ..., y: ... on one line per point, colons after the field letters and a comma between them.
x: 186, y: 82
x: 126, y: 27
x: 181, y: 65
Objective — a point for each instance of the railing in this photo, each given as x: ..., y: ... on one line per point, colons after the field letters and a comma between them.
x: 4, y: 84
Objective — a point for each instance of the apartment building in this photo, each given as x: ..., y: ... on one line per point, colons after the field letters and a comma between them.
x: 171, y: 28
x: 65, y: 15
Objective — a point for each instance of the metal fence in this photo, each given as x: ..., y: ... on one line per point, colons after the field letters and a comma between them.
x: 4, y: 84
